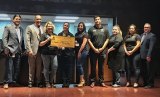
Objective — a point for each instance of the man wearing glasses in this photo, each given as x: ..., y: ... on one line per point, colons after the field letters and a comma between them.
x: 146, y: 53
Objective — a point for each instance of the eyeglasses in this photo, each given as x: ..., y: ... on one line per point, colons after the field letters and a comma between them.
x: 146, y: 27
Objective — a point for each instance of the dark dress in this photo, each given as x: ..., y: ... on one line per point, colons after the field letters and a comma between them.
x: 116, y: 57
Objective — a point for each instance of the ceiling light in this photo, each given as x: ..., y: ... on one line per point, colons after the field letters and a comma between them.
x: 66, y: 17
x: 89, y: 24
x: 3, y: 18
x: 70, y: 21
x: 4, y: 15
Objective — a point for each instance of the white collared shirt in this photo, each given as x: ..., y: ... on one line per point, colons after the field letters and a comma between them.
x: 18, y: 33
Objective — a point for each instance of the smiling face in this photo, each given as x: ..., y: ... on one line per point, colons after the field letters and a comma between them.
x: 49, y: 28
x: 65, y: 26
x: 17, y: 20
x: 38, y: 20
x: 80, y: 27
x: 147, y: 28
x: 97, y: 21
x: 115, y: 30
x: 132, y: 29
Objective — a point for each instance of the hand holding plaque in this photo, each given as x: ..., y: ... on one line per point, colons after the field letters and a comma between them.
x: 61, y: 41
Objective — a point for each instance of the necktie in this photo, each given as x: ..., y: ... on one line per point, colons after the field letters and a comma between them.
x: 39, y: 31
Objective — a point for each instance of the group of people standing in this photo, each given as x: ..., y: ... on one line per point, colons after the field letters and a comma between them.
x: 133, y: 51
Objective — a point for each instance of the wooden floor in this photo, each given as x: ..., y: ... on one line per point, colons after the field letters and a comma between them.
x: 82, y: 92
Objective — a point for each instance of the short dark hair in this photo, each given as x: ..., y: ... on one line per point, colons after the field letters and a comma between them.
x: 67, y: 23
x: 96, y: 17
x: 16, y: 15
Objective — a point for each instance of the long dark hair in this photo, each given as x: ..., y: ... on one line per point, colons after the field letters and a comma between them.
x: 84, y: 27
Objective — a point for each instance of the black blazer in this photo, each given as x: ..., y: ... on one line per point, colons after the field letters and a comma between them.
x: 148, y: 45
x: 1, y: 46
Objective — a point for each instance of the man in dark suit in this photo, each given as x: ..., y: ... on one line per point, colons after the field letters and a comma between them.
x: 12, y: 42
x: 146, y: 52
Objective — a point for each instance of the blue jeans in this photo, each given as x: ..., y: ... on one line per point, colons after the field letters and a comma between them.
x: 81, y: 61
x: 133, y: 62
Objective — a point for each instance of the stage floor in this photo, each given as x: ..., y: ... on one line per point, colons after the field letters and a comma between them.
x: 86, y: 91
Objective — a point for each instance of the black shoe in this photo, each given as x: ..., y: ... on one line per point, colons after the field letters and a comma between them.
x: 65, y: 85
x: 53, y: 85
x: 148, y: 86
x: 40, y: 86
x: 14, y: 82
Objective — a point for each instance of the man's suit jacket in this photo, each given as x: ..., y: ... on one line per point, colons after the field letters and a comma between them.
x: 10, y: 39
x: 148, y: 45
x: 32, y: 38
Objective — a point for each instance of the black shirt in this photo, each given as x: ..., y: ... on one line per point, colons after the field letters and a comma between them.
x: 46, y: 49
x: 131, y: 41
x: 98, y: 36
x: 67, y: 51
x: 79, y: 38
x: 116, y: 42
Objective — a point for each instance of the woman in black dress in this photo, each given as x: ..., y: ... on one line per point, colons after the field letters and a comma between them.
x: 115, y: 54
x: 131, y: 47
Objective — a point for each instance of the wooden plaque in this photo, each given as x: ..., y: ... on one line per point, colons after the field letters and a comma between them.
x: 61, y: 41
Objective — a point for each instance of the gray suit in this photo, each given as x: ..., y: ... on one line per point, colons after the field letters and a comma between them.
x: 32, y: 39
x: 12, y: 42
x: 147, y: 50
x: 147, y: 46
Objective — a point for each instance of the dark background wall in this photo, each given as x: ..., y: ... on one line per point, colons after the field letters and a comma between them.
x: 126, y: 11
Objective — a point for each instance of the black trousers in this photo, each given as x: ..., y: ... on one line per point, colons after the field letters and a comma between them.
x: 93, y: 60
x: 66, y: 64
x: 147, y: 69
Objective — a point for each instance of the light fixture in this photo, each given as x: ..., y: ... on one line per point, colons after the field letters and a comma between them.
x: 66, y: 17
x: 89, y: 24
x: 4, y: 17
x: 70, y: 21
